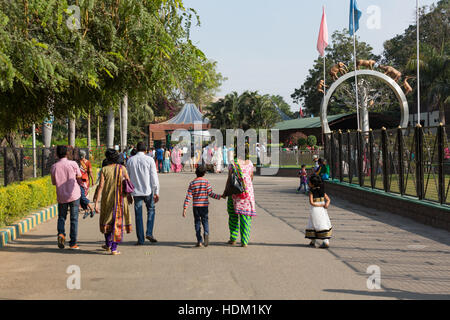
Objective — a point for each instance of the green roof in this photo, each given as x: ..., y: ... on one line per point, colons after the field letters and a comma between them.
x: 305, y: 123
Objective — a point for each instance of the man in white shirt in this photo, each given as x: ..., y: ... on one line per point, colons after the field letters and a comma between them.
x: 258, y: 155
x: 264, y: 152
x: 143, y: 175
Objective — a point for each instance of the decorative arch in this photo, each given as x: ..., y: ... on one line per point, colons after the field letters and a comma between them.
x: 389, y: 81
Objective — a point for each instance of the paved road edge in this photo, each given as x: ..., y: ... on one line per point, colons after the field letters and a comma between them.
x: 12, y: 232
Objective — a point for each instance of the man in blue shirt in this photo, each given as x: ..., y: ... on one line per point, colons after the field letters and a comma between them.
x: 159, y: 158
x: 142, y: 172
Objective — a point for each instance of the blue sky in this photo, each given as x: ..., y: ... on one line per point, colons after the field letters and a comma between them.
x: 269, y: 46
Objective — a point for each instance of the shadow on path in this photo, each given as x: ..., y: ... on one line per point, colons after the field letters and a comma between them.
x: 399, y: 294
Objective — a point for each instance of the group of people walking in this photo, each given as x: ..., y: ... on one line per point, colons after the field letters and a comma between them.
x: 136, y: 181
x: 177, y: 159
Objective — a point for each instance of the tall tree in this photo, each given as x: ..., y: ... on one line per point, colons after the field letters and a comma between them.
x: 435, y: 75
x: 139, y: 48
x: 245, y: 111
x: 202, y: 91
x: 400, y: 52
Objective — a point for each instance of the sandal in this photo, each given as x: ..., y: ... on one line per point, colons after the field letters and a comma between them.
x: 231, y: 242
x: 115, y: 253
x: 106, y: 248
x: 93, y: 213
x: 61, y: 241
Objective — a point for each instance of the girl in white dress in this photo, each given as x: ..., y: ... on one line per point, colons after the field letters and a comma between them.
x: 319, y: 224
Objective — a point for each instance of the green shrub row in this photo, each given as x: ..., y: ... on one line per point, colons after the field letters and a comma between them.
x: 17, y: 200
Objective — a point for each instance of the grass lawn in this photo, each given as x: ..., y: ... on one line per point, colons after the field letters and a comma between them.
x: 431, y: 185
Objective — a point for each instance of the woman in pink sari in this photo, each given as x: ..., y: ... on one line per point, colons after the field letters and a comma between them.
x: 241, y: 207
x: 176, y: 160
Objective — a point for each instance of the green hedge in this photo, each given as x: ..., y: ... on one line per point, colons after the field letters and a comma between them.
x: 17, y: 200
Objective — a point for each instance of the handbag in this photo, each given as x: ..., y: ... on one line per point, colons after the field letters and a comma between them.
x: 127, y: 186
x: 236, y: 185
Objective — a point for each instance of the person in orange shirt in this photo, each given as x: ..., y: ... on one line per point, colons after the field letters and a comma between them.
x: 86, y: 179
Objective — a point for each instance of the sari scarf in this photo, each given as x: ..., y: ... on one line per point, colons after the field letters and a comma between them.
x: 239, y: 174
x: 118, y: 206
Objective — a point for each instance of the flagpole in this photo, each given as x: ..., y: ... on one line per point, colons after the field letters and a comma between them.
x: 354, y: 59
x: 324, y: 77
x: 418, y: 62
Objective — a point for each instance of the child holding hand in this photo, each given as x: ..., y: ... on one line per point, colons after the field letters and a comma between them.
x: 200, y: 189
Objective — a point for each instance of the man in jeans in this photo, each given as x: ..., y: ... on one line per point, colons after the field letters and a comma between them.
x: 142, y: 171
x: 65, y: 176
x: 160, y: 158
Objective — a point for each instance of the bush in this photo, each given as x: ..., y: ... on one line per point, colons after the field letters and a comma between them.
x: 17, y: 200
x: 302, y: 142
x: 312, y: 141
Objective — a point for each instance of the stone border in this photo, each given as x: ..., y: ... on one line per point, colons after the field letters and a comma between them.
x: 12, y: 232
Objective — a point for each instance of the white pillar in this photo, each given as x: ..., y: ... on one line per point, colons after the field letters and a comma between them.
x: 33, y: 127
x: 110, y: 129
x: 124, y: 121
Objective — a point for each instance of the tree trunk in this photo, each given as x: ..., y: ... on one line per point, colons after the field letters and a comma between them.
x: 442, y: 113
x: 364, y: 111
x: 12, y: 163
x: 98, y: 131
x: 33, y: 128
x: 72, y: 123
x: 47, y: 128
x: 124, y: 115
x: 89, y: 131
x: 110, y: 129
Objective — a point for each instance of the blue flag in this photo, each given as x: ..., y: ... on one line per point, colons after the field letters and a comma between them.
x: 356, y: 14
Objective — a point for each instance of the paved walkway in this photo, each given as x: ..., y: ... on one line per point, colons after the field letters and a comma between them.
x: 414, y: 259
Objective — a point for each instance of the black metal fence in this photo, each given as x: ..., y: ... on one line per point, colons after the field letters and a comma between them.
x: 411, y: 162
x: 16, y: 164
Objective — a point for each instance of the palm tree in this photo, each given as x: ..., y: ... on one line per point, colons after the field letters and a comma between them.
x: 249, y: 110
x: 434, y: 74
